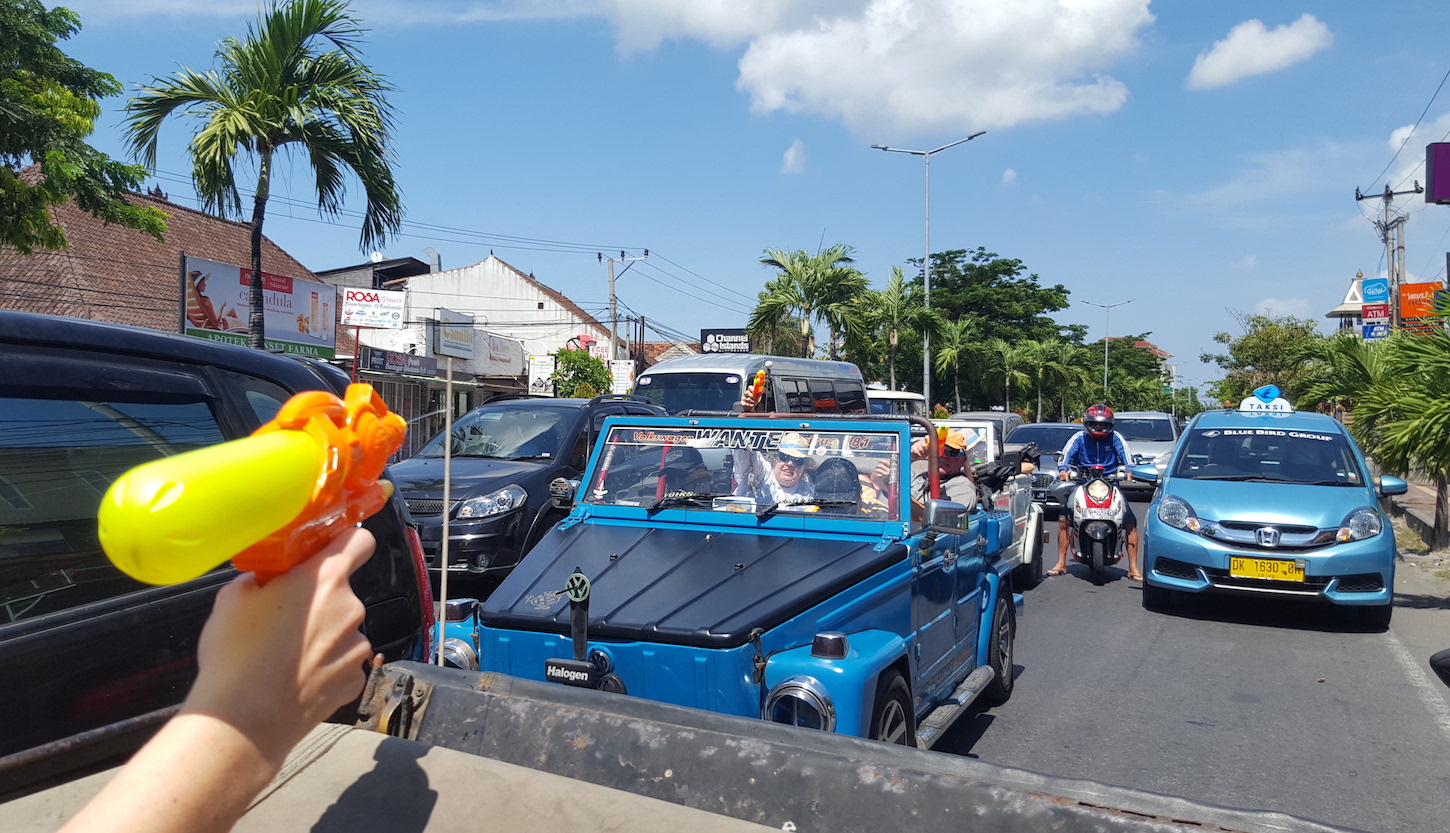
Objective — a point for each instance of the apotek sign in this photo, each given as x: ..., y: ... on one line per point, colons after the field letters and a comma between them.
x: 297, y: 315
x: 373, y: 308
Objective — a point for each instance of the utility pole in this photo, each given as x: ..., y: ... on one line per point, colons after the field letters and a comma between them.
x: 613, y: 316
x: 1392, y: 232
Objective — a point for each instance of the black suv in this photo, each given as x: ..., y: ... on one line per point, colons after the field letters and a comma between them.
x: 88, y: 651
x: 505, y: 454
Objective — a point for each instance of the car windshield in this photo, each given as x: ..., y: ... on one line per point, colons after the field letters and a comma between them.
x: 677, y: 392
x: 1269, y: 454
x: 505, y: 431
x: 1145, y: 429
x: 896, y: 405
x: 1048, y: 438
x: 760, y: 471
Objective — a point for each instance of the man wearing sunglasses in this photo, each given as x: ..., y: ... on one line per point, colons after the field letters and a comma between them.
x: 952, y: 469
x: 777, y: 476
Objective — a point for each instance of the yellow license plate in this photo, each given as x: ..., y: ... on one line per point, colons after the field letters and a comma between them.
x: 1268, y: 568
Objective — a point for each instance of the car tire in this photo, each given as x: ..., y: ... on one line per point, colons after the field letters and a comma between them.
x: 1376, y: 616
x: 891, y: 718
x: 1000, y: 649
x: 1156, y: 598
x: 1030, y: 574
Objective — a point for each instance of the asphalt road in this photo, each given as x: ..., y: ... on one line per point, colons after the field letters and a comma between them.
x: 1246, y: 702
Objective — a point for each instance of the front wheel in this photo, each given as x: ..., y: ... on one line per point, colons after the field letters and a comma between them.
x: 891, y: 719
x: 1000, y: 650
x: 1156, y: 598
x: 1099, y: 555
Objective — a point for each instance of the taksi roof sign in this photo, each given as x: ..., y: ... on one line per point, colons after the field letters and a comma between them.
x: 1266, y: 400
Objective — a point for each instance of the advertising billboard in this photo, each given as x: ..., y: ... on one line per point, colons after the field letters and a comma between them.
x: 724, y: 341
x: 1375, y: 290
x: 373, y: 308
x: 541, y: 368
x: 298, y: 315
x: 453, y: 334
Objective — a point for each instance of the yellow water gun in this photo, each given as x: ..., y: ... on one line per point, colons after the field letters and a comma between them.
x: 267, y: 502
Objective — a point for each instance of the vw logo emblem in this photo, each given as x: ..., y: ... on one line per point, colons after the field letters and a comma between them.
x: 1267, y: 536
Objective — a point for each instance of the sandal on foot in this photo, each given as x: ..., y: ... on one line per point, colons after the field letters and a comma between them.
x: 1056, y: 572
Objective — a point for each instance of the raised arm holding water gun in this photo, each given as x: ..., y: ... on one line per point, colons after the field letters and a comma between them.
x: 281, y: 650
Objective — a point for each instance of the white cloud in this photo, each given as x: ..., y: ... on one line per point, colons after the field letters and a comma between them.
x: 1009, y: 176
x: 1297, y: 307
x: 1250, y: 50
x: 892, y: 68
x: 1246, y: 262
x: 794, y: 160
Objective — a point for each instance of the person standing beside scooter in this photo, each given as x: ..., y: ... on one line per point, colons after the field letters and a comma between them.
x: 1096, y: 445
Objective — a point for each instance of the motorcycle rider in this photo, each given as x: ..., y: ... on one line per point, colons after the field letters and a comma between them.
x: 1096, y: 445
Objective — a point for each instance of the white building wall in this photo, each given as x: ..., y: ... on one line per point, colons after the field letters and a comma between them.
x: 502, y: 300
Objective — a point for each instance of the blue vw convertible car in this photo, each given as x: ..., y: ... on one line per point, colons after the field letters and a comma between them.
x: 1266, y: 499
x: 765, y: 568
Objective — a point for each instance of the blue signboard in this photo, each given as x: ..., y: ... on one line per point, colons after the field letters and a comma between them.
x: 1376, y: 330
x: 1375, y: 290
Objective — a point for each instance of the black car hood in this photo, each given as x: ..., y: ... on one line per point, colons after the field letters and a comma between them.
x: 680, y: 585
x: 470, y: 475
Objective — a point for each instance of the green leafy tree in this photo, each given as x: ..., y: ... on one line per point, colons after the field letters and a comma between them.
x: 1013, y: 306
x: 295, y: 82
x: 955, y: 343
x: 48, y: 106
x: 897, y: 308
x: 579, y: 374
x: 1345, y: 366
x: 823, y: 285
x: 1403, y: 419
x: 1272, y: 351
x: 1006, y: 365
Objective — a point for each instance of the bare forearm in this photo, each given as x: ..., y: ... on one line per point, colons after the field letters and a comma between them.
x: 199, y: 774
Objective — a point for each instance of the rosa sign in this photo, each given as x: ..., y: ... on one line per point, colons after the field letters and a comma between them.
x: 373, y: 308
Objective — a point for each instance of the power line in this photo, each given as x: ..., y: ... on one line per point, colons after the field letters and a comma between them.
x: 1413, y: 129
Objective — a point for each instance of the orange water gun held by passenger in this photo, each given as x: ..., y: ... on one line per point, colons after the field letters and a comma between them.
x: 267, y: 502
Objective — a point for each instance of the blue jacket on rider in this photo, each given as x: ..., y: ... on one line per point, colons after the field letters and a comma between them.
x: 1086, y: 451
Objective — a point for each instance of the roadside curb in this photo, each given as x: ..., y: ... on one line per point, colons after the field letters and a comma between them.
x: 1417, y: 508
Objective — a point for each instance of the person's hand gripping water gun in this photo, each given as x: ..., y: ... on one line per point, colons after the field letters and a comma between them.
x: 267, y: 502
x: 756, y: 391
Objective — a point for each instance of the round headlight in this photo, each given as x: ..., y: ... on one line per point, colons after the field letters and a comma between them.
x: 1360, y: 524
x: 1176, y: 512
x: 1099, y: 490
x: 801, y: 701
x: 459, y: 654
x: 504, y: 500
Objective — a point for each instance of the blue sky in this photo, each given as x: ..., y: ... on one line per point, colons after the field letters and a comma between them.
x: 1195, y: 157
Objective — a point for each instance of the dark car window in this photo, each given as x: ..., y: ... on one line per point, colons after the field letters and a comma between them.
x: 690, y: 391
x: 852, y: 397
x: 1052, y: 438
x: 1147, y: 430
x: 1320, y: 457
x: 823, y: 397
x: 57, y: 458
x: 506, y: 431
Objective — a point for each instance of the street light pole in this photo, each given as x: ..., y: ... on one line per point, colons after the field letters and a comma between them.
x: 1107, y: 318
x: 926, y: 261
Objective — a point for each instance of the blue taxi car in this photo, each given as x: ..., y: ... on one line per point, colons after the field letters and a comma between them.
x: 765, y: 568
x: 1265, y: 499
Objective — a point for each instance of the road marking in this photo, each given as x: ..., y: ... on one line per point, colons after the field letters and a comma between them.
x: 1429, y: 693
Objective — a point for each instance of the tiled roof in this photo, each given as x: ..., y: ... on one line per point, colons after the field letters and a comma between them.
x: 656, y: 351
x: 112, y: 273
x: 1146, y: 345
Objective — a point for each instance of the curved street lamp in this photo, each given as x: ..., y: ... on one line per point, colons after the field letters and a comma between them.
x: 1107, y: 313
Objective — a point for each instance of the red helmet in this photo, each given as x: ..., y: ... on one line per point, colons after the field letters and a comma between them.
x: 1098, y: 421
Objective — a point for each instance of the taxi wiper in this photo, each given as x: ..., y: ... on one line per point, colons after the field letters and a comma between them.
x: 772, y: 508
x: 1329, y: 483
x: 677, y: 498
x: 1226, y: 477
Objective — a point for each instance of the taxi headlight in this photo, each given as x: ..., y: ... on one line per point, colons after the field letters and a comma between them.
x: 1099, y: 490
x: 1176, y: 512
x: 801, y: 701
x: 1362, y: 523
x: 504, y: 500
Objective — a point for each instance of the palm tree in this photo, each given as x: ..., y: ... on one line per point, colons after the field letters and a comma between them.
x: 295, y: 81
x: 1047, y: 364
x: 956, y: 341
x: 1345, y: 366
x: 1077, y: 375
x: 1006, y: 363
x: 777, y: 319
x: 900, y: 306
x: 1403, y: 418
x: 810, y: 286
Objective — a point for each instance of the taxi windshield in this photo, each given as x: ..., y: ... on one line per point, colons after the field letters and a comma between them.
x: 755, y: 470
x: 1269, y: 455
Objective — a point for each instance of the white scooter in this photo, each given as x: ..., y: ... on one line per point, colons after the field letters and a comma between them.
x: 1095, y: 537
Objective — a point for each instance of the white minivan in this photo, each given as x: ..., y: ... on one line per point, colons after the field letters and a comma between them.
x: 896, y: 402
